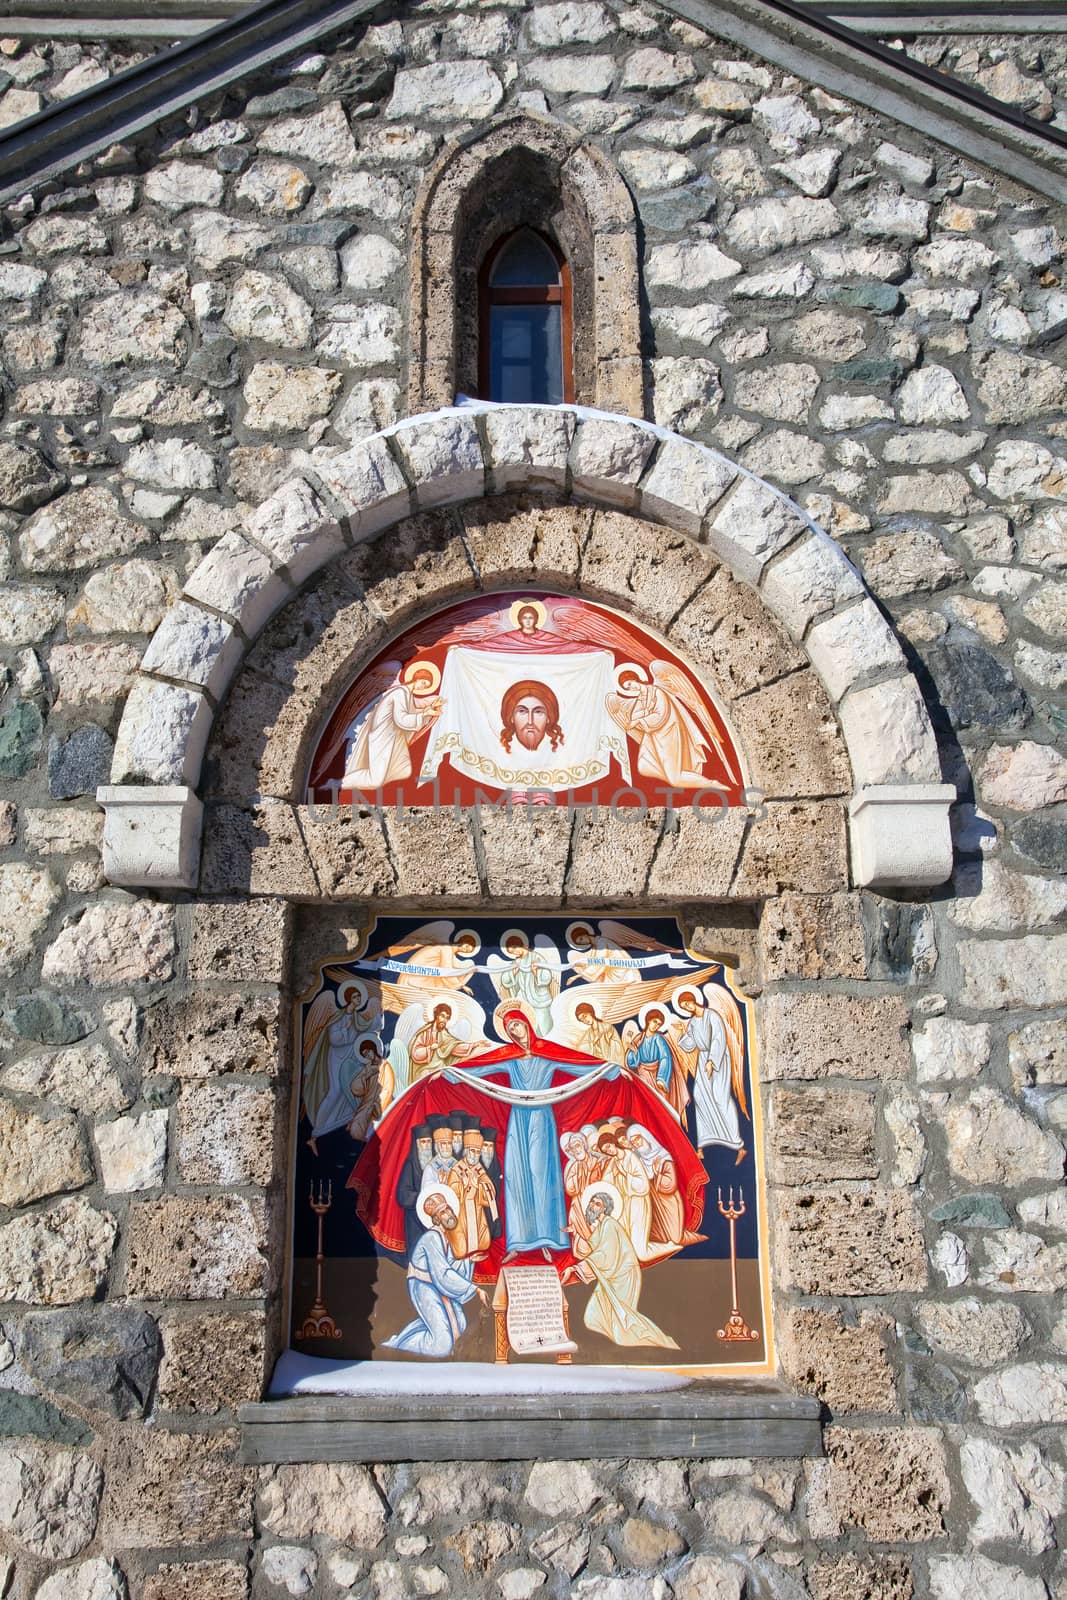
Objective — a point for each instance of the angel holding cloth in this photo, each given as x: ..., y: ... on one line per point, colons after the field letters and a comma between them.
x: 665, y: 717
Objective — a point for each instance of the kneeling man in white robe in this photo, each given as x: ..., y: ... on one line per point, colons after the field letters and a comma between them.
x: 438, y: 1284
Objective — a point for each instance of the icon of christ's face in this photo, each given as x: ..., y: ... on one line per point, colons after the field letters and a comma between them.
x: 530, y: 721
x: 529, y: 711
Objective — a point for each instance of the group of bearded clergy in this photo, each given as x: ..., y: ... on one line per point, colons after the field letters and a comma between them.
x: 652, y: 1213
x: 455, y: 1152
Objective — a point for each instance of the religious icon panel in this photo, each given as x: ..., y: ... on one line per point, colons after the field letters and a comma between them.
x: 529, y: 1137
x: 534, y: 694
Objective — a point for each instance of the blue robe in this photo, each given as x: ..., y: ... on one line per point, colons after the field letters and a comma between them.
x: 653, y: 1047
x: 535, y: 1209
x: 438, y: 1284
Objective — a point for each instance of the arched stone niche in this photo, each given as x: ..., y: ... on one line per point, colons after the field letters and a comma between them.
x: 523, y: 169
x: 781, y: 719
x: 723, y: 528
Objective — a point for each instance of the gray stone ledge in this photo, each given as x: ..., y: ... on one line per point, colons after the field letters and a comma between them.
x: 707, y: 1418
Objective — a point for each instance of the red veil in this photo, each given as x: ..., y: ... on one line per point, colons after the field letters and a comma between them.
x: 376, y: 1173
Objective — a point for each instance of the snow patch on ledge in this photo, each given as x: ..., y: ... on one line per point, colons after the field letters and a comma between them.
x: 297, y: 1374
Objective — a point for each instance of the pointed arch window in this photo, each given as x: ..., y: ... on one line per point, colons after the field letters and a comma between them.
x: 525, y: 347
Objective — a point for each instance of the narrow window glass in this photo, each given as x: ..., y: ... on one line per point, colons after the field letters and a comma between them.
x: 525, y: 322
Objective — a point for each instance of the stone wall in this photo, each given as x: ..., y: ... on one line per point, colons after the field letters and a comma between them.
x: 867, y: 324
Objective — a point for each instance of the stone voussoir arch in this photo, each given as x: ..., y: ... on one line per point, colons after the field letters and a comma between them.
x: 899, y: 828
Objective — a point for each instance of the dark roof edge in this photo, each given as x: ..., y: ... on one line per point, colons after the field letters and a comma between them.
x: 817, y: 49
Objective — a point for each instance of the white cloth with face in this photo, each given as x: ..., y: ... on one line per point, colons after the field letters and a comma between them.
x: 468, y: 730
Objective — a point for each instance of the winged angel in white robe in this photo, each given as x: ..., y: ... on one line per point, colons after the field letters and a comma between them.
x: 382, y: 716
x: 664, y: 714
x: 336, y: 1082
x: 528, y: 972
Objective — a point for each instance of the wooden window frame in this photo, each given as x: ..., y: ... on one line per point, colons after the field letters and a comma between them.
x: 535, y: 295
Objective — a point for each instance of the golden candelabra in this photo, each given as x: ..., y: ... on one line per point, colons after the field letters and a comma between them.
x: 318, y: 1324
x: 737, y: 1329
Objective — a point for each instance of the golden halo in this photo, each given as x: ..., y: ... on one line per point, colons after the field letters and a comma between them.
x: 653, y: 1005
x: 512, y: 1005
x: 687, y: 988
x: 346, y: 990
x: 467, y: 933
x: 626, y: 667
x: 600, y: 1187
x: 513, y: 933
x: 424, y: 667
x: 527, y: 605
x: 572, y: 928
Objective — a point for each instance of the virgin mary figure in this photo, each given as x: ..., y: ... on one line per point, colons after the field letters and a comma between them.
x: 535, y: 1205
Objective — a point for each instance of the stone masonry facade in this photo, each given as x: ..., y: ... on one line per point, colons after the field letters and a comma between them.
x: 850, y: 313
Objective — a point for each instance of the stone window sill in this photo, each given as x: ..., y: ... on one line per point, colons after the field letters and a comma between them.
x: 706, y: 1418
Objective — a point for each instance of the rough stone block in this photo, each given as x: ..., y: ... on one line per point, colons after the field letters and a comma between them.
x: 197, y: 1580
x: 626, y: 558
x: 528, y: 848
x: 698, y: 857
x: 175, y: 1489
x: 259, y: 851
x: 509, y: 538
x: 851, y: 646
x: 527, y: 446
x: 338, y: 1501
x: 443, y: 458
x: 798, y: 845
x: 805, y: 1035
x: 238, y: 579
x: 54, y: 1257
x: 49, y: 1499
x: 82, y: 1077
x: 608, y: 457
x: 103, y: 1357
x: 195, y: 646
x: 432, y: 854
x: 890, y: 1482
x: 77, y: 764
x: 226, y: 1133
x: 856, y: 1241
x: 162, y: 736
x: 753, y: 525
x: 349, y: 854
x: 821, y: 1135
x: 813, y: 936
x: 683, y: 484
x: 992, y: 1141
x: 200, y: 1035
x: 792, y: 739
x: 367, y: 485
x: 421, y: 559
x: 211, y: 1363
x: 296, y: 529
x: 1030, y: 972
x: 844, y: 1364
x: 39, y: 1156
x: 610, y: 860
x: 132, y: 1151
x: 115, y: 943
x: 240, y: 942
x: 848, y: 1578
x: 814, y: 577
x: 186, y: 1248
x: 888, y: 733
x: 258, y: 742
x: 728, y: 630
